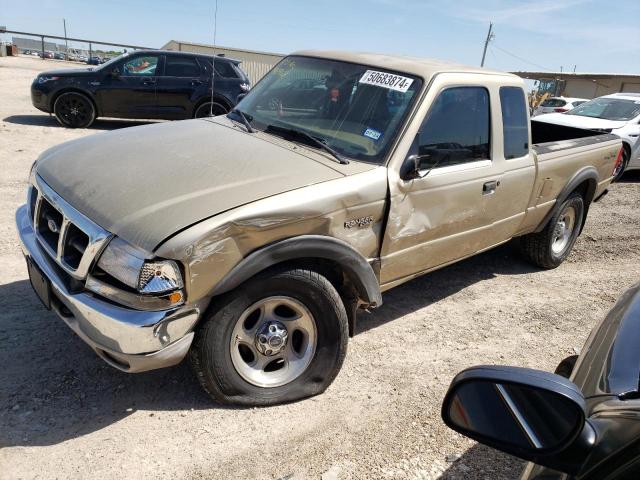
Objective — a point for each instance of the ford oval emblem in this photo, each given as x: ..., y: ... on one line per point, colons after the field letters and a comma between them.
x: 53, y: 226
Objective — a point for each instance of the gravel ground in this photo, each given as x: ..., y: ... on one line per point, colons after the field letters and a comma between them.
x: 65, y: 414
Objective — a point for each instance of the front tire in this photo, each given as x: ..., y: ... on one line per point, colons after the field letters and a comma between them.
x: 551, y: 246
x: 74, y: 110
x: 278, y: 338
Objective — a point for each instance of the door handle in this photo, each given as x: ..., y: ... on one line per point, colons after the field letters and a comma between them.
x: 148, y: 81
x: 196, y: 82
x: 490, y: 187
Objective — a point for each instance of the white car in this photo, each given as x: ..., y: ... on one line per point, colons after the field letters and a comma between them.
x: 618, y: 113
x: 558, y: 105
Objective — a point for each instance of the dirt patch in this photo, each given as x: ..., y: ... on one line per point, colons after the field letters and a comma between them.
x: 65, y: 414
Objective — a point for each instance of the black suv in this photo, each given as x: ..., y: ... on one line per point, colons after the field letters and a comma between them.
x: 146, y: 84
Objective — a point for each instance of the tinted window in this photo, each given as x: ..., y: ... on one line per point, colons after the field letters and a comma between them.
x: 553, y: 102
x: 181, y: 67
x: 144, y: 66
x: 457, y: 128
x: 225, y: 69
x: 514, y: 122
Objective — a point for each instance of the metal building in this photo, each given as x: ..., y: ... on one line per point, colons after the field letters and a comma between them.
x: 255, y: 64
x: 583, y: 85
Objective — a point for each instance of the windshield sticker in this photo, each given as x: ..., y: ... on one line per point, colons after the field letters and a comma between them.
x: 386, y: 80
x: 371, y: 133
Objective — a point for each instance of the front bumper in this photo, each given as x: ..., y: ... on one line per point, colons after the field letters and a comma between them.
x: 129, y: 340
x: 40, y: 97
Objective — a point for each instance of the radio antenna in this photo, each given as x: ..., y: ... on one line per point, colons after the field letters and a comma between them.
x: 213, y: 61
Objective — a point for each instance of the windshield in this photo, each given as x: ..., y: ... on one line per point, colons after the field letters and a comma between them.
x: 113, y: 60
x: 354, y: 109
x: 608, y: 109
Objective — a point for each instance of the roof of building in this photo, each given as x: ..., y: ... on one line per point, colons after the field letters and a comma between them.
x: 233, y: 49
x: 422, y: 67
x: 569, y: 75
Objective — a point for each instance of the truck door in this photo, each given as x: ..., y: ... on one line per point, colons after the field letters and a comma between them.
x: 179, y: 87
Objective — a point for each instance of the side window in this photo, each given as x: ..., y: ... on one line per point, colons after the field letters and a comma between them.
x: 515, y: 126
x: 140, y: 66
x: 457, y: 128
x: 181, y: 67
x: 224, y: 69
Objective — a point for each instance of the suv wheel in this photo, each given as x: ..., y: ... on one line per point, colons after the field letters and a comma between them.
x: 210, y: 109
x: 550, y: 247
x: 278, y: 338
x: 74, y: 110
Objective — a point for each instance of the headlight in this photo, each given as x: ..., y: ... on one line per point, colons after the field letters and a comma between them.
x: 133, y: 267
x: 245, y: 87
x: 46, y: 78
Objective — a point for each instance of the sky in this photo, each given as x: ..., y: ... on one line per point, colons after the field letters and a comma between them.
x: 542, y: 35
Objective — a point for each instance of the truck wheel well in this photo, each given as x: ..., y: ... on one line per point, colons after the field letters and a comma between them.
x: 587, y: 190
x: 74, y: 90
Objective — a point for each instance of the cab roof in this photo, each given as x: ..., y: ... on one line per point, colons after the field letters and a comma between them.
x: 421, y: 67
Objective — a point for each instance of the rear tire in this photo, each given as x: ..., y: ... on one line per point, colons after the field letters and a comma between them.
x: 551, y: 246
x: 626, y: 154
x: 74, y: 110
x: 232, y: 357
x: 210, y: 109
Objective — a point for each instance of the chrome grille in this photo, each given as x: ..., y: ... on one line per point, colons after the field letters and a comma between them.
x: 71, y: 239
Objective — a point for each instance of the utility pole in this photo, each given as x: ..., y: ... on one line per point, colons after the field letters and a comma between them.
x: 66, y: 44
x: 486, y: 44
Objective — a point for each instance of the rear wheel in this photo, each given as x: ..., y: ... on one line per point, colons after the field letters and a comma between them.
x: 551, y: 246
x: 626, y: 153
x: 278, y: 338
x: 210, y: 109
x: 74, y: 110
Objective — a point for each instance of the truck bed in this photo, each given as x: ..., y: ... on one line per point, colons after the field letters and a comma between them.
x: 547, y: 137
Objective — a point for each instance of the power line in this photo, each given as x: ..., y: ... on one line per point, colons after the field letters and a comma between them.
x: 520, y: 58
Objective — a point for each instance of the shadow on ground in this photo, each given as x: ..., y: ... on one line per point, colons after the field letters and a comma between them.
x: 54, y: 388
x: 481, y: 462
x: 435, y: 286
x: 45, y: 120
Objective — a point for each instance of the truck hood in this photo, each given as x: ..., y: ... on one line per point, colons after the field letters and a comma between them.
x: 578, y: 121
x: 146, y: 183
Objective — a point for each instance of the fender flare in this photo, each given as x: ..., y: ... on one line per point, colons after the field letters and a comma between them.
x: 588, y: 174
x: 355, y: 266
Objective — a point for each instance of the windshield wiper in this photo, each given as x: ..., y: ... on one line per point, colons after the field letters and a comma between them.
x: 244, y: 119
x: 319, y: 142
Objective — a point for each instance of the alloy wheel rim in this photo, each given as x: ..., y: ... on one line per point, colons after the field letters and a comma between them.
x: 273, y: 341
x: 207, y: 110
x: 74, y: 111
x: 563, y: 230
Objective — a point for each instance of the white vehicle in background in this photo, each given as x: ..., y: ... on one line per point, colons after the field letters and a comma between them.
x: 558, y: 105
x: 618, y: 113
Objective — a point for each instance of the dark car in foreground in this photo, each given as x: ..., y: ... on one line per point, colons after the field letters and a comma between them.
x: 151, y: 84
x: 585, y: 428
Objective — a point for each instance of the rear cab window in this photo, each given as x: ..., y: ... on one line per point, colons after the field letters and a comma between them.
x: 515, y: 124
x: 457, y: 129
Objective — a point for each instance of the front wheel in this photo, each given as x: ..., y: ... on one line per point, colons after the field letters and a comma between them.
x: 74, y: 110
x: 278, y: 338
x: 551, y: 246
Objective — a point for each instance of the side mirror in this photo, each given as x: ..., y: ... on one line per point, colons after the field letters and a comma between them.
x: 534, y: 415
x: 115, y: 73
x: 415, y: 164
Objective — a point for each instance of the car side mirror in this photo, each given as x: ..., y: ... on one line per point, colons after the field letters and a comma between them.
x: 418, y: 166
x: 534, y: 415
x: 115, y: 73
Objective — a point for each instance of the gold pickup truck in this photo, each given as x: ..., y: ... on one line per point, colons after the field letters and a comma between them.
x: 249, y: 241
